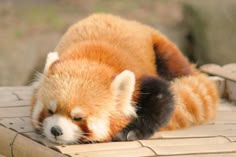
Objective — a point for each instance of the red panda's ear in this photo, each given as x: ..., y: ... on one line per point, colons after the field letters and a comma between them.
x: 51, y: 58
x: 123, y: 87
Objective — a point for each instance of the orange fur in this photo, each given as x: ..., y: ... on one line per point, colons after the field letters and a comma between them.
x: 196, y: 101
x: 96, y: 49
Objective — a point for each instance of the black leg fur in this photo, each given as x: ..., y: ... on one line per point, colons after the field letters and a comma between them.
x: 155, y: 107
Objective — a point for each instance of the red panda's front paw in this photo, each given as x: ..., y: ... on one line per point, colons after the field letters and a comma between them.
x: 133, y: 132
x: 126, y: 135
x: 121, y: 136
x: 134, y: 135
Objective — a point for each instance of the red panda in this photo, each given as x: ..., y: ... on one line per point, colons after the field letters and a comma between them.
x: 116, y: 79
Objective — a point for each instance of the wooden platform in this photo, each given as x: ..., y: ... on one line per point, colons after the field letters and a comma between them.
x: 216, y: 138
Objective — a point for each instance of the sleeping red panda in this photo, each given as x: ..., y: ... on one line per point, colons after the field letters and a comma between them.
x: 115, y: 79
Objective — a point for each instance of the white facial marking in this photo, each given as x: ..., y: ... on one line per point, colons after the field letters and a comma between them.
x: 53, y: 105
x: 51, y: 58
x: 123, y: 87
x: 71, y: 133
x: 35, y: 114
x: 99, y: 128
x: 37, y: 80
x: 77, y: 111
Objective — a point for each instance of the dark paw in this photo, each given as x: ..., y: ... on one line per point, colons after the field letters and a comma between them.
x: 134, y: 135
x: 121, y: 136
x: 131, y: 135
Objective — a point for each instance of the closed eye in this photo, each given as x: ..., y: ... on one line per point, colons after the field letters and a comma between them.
x: 50, y: 112
x: 77, y: 119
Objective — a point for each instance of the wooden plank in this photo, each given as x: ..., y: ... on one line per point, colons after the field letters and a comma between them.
x: 192, y: 149
x: 40, y: 139
x: 124, y: 148
x: 185, y: 133
x: 220, y: 84
x: 207, y: 155
x: 135, y: 152
x: 14, y: 112
x: 23, y: 95
x: 22, y: 92
x: 18, y: 124
x: 225, y: 117
x: 232, y: 138
x: 200, y: 136
x: 170, y: 150
x: 215, y: 127
x: 71, y: 149
x: 16, y: 89
x: 8, y: 96
x: 233, y: 106
x: 220, y: 129
x: 14, y: 103
x: 227, y: 71
x: 7, y: 138
x: 226, y: 106
x: 185, y: 141
x: 231, y: 90
x: 24, y: 146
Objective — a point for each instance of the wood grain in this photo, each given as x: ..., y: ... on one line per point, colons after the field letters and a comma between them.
x: 216, y: 138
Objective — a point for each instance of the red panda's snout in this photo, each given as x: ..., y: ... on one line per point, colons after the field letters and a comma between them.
x: 54, y: 125
x: 60, y: 129
x: 72, y: 105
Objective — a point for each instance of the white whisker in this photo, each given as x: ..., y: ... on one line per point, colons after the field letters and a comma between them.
x: 37, y: 122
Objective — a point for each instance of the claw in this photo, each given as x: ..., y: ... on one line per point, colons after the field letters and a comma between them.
x: 134, y: 135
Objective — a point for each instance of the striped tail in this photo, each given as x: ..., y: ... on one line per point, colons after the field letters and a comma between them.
x: 196, y: 101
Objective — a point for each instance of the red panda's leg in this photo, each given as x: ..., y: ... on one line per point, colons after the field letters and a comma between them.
x: 154, y: 109
x: 170, y: 61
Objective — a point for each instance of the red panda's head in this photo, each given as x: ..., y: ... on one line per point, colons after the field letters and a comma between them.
x: 82, y: 101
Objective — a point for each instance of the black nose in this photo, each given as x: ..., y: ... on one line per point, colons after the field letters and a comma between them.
x: 56, y: 131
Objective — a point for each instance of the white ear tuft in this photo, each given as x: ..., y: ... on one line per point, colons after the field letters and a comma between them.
x: 51, y: 58
x: 123, y: 87
x: 124, y: 80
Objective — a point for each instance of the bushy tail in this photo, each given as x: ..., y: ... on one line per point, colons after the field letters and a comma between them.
x: 196, y: 101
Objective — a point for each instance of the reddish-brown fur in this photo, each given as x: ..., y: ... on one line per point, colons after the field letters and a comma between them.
x: 106, y: 45
x: 196, y: 101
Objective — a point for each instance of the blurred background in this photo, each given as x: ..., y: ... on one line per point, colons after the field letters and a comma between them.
x: 205, y: 30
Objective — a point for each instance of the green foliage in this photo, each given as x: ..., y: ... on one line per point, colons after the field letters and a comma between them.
x: 19, y: 33
x: 46, y: 16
